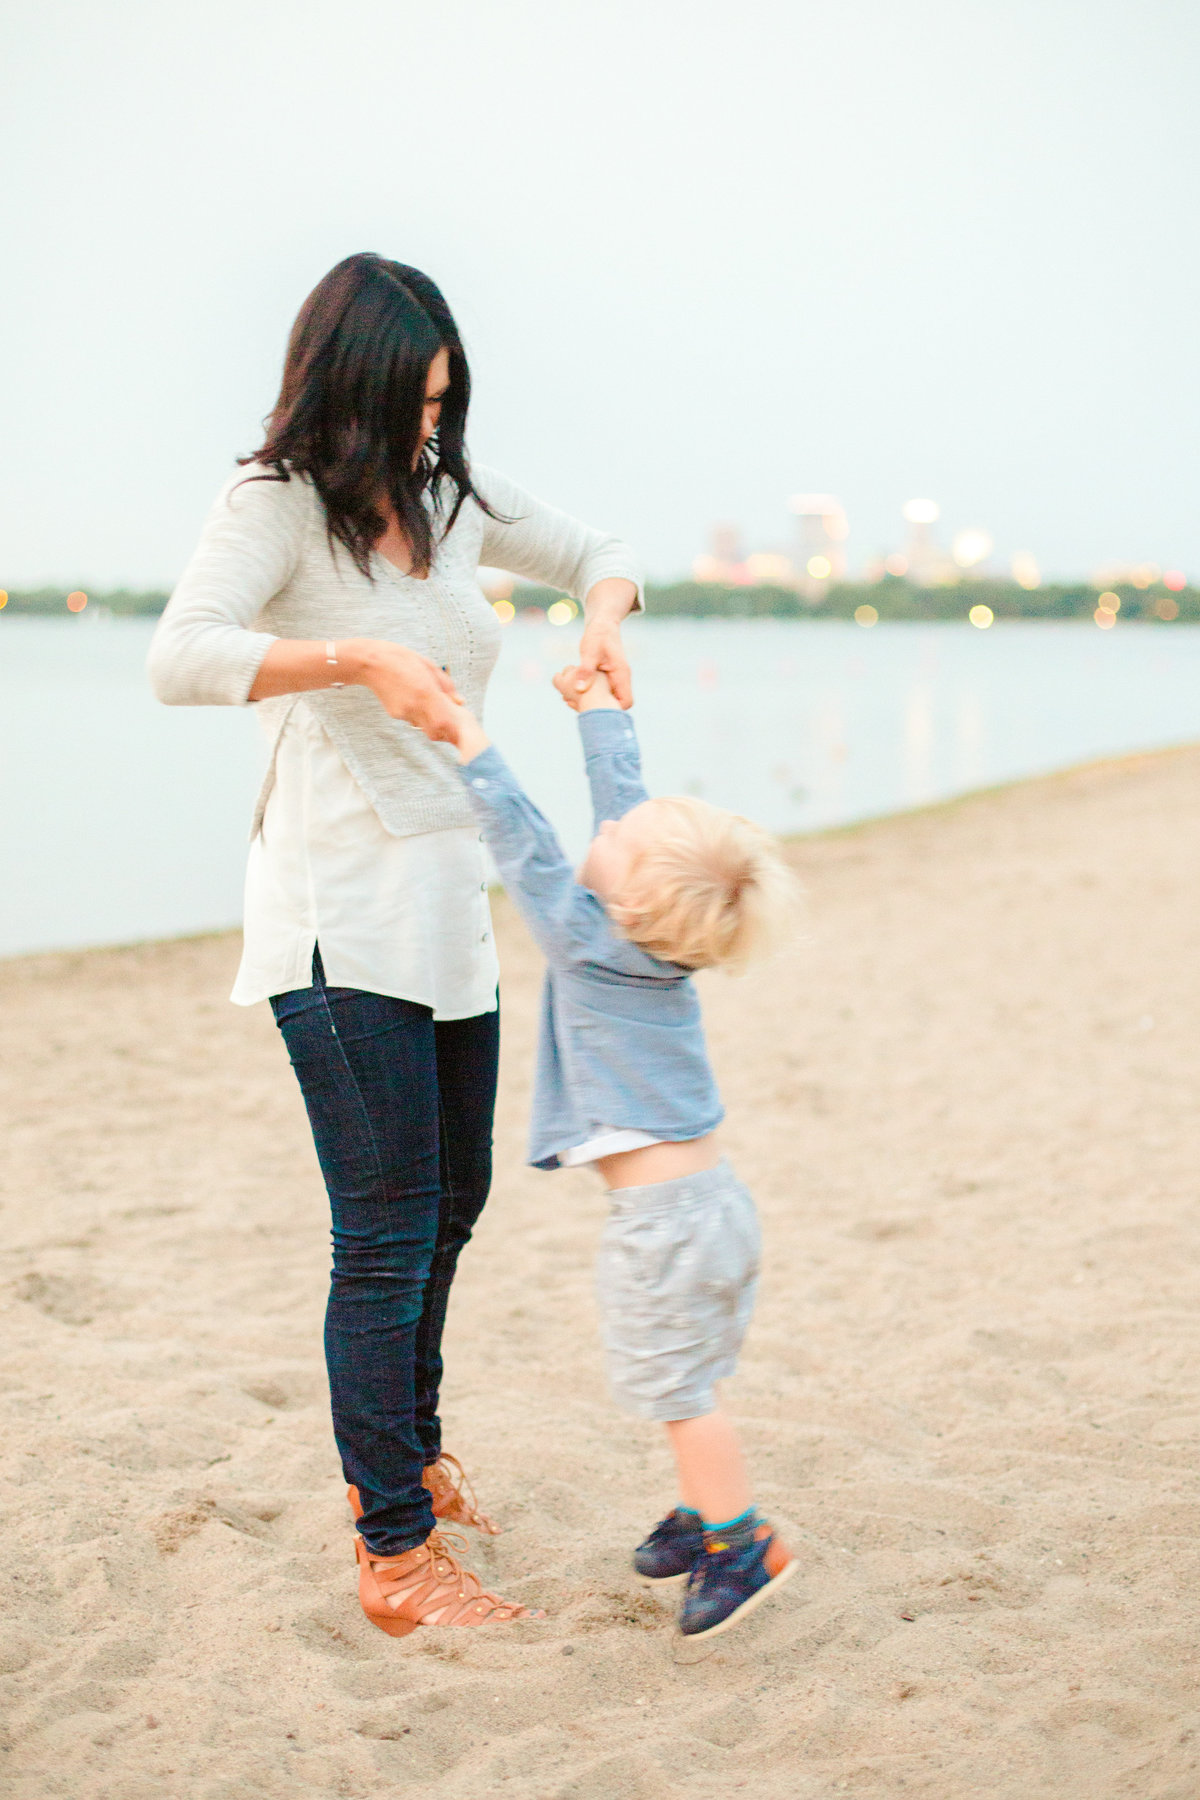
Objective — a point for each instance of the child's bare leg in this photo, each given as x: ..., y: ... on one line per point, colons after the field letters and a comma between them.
x: 712, y: 1473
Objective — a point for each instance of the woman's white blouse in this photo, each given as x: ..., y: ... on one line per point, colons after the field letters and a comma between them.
x: 366, y: 840
x: 404, y: 916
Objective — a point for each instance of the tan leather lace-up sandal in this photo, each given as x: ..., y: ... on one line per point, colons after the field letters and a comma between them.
x: 429, y: 1586
x: 452, y: 1495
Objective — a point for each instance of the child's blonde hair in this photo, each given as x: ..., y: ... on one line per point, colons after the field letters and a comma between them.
x: 711, y: 888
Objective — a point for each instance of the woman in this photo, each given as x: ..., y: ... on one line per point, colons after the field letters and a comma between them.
x: 335, y: 585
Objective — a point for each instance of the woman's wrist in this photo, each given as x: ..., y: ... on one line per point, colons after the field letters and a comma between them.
x: 304, y: 665
x: 610, y: 601
x: 358, y: 659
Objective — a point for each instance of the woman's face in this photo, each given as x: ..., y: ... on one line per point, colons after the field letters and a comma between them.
x: 437, y: 384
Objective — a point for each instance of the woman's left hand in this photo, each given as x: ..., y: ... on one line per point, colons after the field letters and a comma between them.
x: 601, y: 649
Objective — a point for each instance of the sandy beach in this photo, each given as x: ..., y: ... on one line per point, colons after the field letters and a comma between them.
x: 966, y: 1104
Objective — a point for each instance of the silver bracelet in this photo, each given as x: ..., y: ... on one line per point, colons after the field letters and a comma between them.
x: 331, y: 659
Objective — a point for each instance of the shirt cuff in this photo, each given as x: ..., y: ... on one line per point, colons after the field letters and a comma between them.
x: 606, y: 728
x: 487, y: 770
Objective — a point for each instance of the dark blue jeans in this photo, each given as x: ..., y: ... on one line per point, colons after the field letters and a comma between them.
x: 401, y: 1114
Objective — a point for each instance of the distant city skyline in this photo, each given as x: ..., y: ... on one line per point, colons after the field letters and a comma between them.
x: 869, y: 251
x: 822, y: 553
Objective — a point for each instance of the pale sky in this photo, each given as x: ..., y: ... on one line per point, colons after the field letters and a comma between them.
x: 704, y: 256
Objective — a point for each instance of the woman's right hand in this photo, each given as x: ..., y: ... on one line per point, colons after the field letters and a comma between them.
x: 407, y: 685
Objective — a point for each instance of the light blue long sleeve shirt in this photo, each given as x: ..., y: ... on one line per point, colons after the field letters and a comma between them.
x: 621, y: 1042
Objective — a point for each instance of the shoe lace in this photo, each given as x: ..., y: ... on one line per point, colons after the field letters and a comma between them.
x: 729, y: 1560
x: 668, y: 1529
x: 454, y: 1479
x: 448, y: 1546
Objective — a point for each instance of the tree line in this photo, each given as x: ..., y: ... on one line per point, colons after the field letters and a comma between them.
x: 892, y: 598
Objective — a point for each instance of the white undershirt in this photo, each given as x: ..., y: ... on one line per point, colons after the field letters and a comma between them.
x: 403, y: 916
x: 608, y: 1141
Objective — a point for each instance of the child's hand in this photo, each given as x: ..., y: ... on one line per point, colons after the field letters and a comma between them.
x: 599, y: 694
x: 565, y: 682
x: 462, y: 729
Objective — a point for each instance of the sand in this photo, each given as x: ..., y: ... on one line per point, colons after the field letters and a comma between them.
x: 967, y: 1106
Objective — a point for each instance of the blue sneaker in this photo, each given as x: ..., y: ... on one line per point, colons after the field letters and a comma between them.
x: 740, y: 1567
x: 673, y: 1547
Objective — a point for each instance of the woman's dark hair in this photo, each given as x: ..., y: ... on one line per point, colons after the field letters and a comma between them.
x: 349, y: 408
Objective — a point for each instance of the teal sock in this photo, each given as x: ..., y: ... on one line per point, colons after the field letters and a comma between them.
x: 742, y: 1518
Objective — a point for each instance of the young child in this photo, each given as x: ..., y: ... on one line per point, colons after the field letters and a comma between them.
x: 667, y: 886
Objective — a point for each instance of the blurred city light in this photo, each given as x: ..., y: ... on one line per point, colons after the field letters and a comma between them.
x: 866, y: 615
x: 1104, y: 619
x: 1025, y: 571
x: 971, y: 547
x: 1166, y: 608
x: 922, y: 512
x: 768, y: 568
x: 76, y: 601
x: 981, y: 616
x: 1175, y: 579
x: 1109, y: 603
x: 820, y: 553
x: 896, y: 564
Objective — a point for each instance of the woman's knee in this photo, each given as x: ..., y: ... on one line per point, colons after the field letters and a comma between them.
x: 368, y: 1298
x: 463, y: 1200
x: 385, y: 1262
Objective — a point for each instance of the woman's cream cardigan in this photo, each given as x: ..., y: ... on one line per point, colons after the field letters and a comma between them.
x: 265, y: 569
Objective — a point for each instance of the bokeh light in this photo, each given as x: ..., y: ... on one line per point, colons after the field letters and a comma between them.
x: 504, y: 610
x: 76, y: 601
x: 1109, y: 603
x: 971, y: 547
x: 819, y: 567
x: 1025, y: 571
x: 3, y: 597
x: 1175, y: 579
x: 1105, y: 620
x: 770, y: 569
x: 866, y: 615
x: 896, y: 564
x: 922, y: 512
x: 561, y: 612
x: 981, y: 617
x: 1166, y: 608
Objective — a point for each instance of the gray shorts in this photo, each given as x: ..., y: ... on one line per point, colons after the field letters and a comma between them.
x: 676, y: 1277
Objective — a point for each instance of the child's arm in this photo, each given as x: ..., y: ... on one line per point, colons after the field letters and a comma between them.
x: 528, y: 855
x: 610, y: 748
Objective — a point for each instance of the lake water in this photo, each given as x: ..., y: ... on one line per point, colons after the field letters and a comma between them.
x: 122, y: 819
